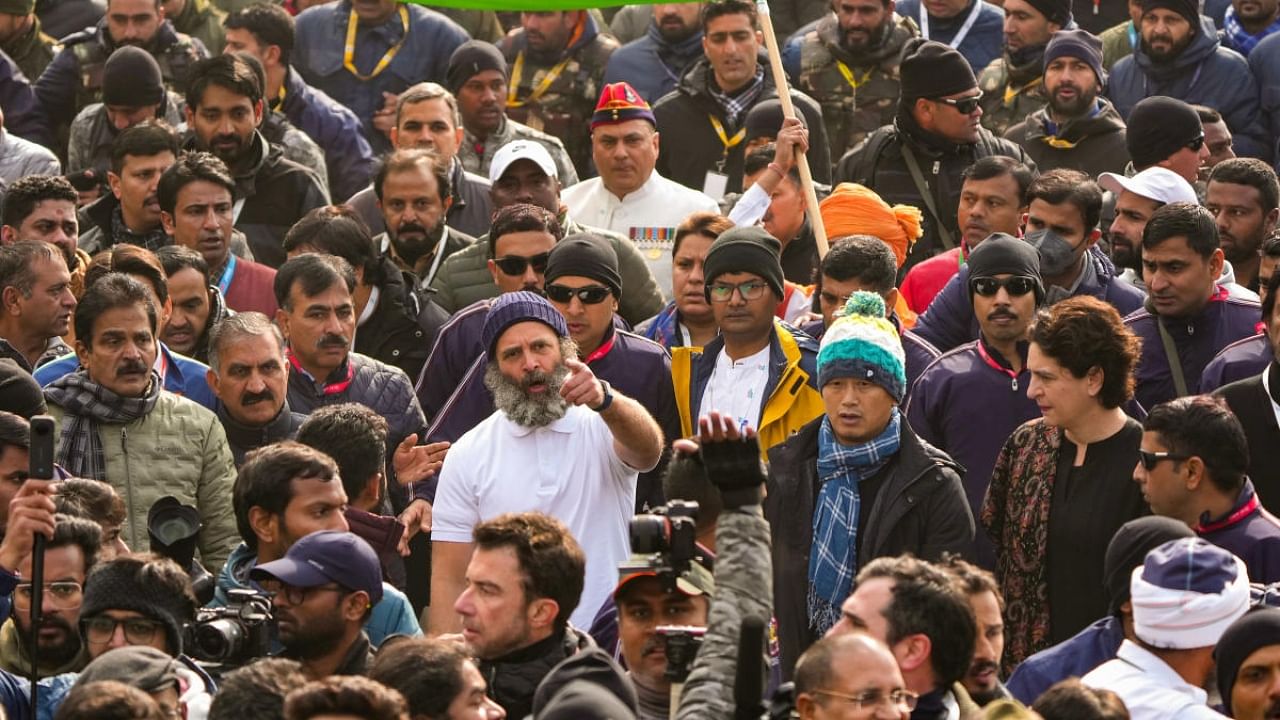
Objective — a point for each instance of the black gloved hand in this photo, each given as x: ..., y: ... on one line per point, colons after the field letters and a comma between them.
x: 734, y: 467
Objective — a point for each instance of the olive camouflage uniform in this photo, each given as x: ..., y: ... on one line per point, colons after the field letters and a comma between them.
x: 1011, y: 92
x: 848, y: 115
x: 32, y: 51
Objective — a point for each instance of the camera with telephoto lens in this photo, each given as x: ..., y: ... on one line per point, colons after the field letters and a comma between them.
x: 234, y: 634
x: 663, y: 542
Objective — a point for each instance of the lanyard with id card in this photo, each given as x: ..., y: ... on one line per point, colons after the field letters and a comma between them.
x: 717, y: 182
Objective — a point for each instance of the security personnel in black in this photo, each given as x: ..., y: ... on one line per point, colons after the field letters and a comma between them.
x: 74, y: 78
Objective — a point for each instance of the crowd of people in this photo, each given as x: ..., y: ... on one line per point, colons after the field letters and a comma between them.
x: 399, y: 361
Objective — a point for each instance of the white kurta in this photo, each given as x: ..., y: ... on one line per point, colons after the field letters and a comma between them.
x: 648, y: 216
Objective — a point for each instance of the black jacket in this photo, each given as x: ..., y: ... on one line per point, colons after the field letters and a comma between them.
x: 691, y: 146
x: 243, y: 439
x: 920, y: 509
x: 878, y: 163
x: 403, y: 327
x: 1249, y: 401
x: 1093, y: 144
x: 514, y: 678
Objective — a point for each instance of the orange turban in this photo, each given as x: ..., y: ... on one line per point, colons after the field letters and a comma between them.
x: 855, y: 210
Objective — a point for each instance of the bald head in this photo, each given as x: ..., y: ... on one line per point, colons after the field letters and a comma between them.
x: 851, y: 665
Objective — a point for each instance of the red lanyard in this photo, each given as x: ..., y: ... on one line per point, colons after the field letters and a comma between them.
x: 986, y: 357
x: 329, y: 388
x: 1231, y: 519
x: 603, y: 350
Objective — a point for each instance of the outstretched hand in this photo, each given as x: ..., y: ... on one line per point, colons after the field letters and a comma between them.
x: 414, y: 462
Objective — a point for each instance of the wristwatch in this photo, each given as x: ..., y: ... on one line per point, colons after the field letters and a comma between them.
x: 608, y: 396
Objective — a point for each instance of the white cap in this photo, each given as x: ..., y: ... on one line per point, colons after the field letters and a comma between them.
x: 1154, y: 183
x: 521, y: 150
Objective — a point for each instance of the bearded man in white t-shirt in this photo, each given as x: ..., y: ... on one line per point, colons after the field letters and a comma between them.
x: 562, y: 442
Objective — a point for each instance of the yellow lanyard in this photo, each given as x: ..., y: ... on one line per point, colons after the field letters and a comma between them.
x: 848, y: 75
x: 1010, y: 93
x: 279, y: 98
x: 518, y: 70
x: 728, y: 142
x: 348, y: 57
x: 1059, y: 143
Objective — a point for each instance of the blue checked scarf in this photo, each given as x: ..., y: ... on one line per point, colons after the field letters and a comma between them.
x: 85, y: 404
x: 737, y: 106
x: 1239, y: 39
x: 833, y: 559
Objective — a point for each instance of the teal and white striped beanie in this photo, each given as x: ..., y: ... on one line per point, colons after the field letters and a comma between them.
x: 862, y: 344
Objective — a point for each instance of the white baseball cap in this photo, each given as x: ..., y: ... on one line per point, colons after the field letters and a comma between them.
x: 521, y: 150
x: 1154, y: 183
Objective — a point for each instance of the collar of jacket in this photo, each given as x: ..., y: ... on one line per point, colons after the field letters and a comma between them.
x: 683, y: 51
x: 1240, y: 510
x: 357, y: 659
x: 263, y: 152
x: 901, y: 29
x: 922, y: 140
x: 166, y: 35
x: 100, y: 211
x: 1103, y: 121
x: 784, y: 350
x: 697, y: 79
x: 1025, y: 65
x: 395, y: 296
x: 248, y: 436
x: 1185, y: 326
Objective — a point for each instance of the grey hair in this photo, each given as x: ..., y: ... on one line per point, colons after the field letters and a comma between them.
x: 240, y: 325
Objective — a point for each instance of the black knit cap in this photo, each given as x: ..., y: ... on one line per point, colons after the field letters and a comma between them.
x: 764, y: 120
x: 1129, y: 547
x: 131, y: 78
x: 1255, y: 630
x: 1189, y: 9
x: 585, y: 255
x: 470, y: 59
x: 1159, y: 127
x: 1001, y: 253
x: 140, y: 666
x: 932, y: 70
x: 117, y: 586
x: 1079, y: 44
x: 748, y: 250
x: 20, y: 394
x: 1055, y: 11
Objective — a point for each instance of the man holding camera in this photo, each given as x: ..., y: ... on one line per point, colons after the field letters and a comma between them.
x: 323, y: 590
x: 647, y: 601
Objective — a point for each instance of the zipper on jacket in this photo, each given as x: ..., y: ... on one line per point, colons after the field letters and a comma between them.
x: 128, y: 481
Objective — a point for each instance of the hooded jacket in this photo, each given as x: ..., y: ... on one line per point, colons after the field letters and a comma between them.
x: 1204, y: 73
x: 334, y: 128
x: 813, y: 64
x: 950, y: 322
x: 464, y: 277
x: 920, y: 509
x: 514, y: 678
x: 791, y: 395
x: 565, y: 107
x: 691, y: 146
x: 404, y: 325
x: 277, y: 192
x: 651, y: 64
x: 1092, y: 144
x: 1221, y: 321
x: 879, y: 163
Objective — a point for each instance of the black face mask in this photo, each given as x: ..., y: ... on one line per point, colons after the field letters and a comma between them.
x: 1056, y: 254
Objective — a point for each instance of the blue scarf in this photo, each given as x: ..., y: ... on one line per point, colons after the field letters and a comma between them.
x: 833, y: 557
x: 1239, y: 39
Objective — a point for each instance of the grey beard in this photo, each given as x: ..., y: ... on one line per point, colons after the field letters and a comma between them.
x: 513, y: 399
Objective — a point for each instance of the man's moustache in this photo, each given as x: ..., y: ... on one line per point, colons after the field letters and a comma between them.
x: 333, y: 341
x: 253, y: 398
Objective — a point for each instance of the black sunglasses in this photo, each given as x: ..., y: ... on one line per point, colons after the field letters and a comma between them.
x: 964, y: 105
x: 1196, y: 144
x: 1151, y: 459
x: 515, y: 264
x: 1017, y: 286
x: 589, y: 295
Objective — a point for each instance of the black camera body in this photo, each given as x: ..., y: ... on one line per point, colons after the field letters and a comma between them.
x: 680, y: 644
x: 666, y: 540
x: 234, y: 634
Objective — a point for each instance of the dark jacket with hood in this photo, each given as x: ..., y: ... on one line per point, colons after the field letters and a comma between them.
x: 920, y: 508
x: 812, y: 61
x: 1093, y: 144
x: 277, y: 192
x: 1221, y: 321
x: 691, y: 146
x: 1204, y: 73
x: 74, y: 78
x: 949, y: 322
x: 404, y: 324
x: 335, y: 129
x: 651, y: 64
x: 513, y: 679
x: 879, y: 163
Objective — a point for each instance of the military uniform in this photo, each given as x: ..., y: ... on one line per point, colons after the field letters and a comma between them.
x: 32, y: 51
x: 558, y: 95
x: 73, y: 80
x: 1011, y: 92
x: 92, y: 135
x: 829, y: 74
x: 202, y: 21
x: 1117, y: 43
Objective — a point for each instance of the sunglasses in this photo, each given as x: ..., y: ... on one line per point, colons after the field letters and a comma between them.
x: 1196, y: 144
x: 516, y: 264
x: 1017, y: 286
x: 589, y: 295
x: 964, y: 105
x: 1151, y: 459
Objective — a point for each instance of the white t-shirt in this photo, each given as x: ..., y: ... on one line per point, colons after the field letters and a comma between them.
x: 737, y: 387
x: 568, y: 470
